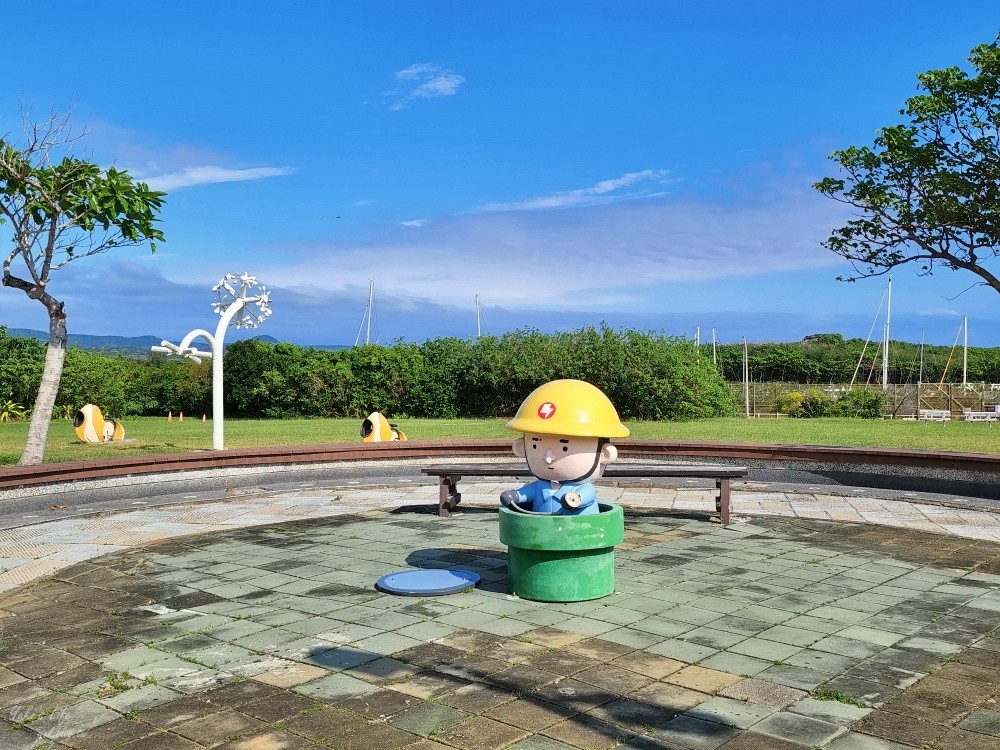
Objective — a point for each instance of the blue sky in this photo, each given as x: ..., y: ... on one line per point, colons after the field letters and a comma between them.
x: 643, y: 163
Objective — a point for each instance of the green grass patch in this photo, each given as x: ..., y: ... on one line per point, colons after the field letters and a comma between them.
x: 154, y: 436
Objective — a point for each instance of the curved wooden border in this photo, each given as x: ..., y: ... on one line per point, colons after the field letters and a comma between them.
x: 26, y: 476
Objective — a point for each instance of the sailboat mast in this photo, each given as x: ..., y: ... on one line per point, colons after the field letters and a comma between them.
x: 965, y: 351
x: 479, y: 328
x: 920, y: 375
x: 746, y: 378
x: 371, y: 306
x: 885, y: 342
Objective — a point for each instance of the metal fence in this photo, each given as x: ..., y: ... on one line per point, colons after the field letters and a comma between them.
x: 904, y: 400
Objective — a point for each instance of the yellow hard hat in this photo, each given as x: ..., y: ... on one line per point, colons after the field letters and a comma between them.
x: 568, y: 407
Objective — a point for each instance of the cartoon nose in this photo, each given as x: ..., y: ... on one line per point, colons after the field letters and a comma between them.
x: 549, y: 458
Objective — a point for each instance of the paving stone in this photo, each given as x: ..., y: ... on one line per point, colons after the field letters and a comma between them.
x: 522, y: 678
x: 271, y: 739
x: 587, y: 733
x: 334, y: 687
x: 833, y: 711
x: 176, y: 712
x: 983, y: 721
x: 796, y: 728
x: 754, y: 741
x: 380, y: 704
x: 325, y: 724
x: 937, y: 700
x: 900, y: 728
x: 574, y: 694
x: 702, y: 679
x: 481, y: 733
x: 428, y: 718
x: 218, y: 727
x: 530, y: 713
x: 163, y: 741
x: 477, y: 698
x: 960, y: 739
x: 649, y: 665
x: 538, y: 742
x: 763, y: 692
x: 111, y: 734
x: 731, y: 712
x: 856, y: 741
x: 689, y: 732
x: 278, y: 706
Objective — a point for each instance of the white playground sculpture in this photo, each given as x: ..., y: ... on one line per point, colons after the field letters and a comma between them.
x: 242, y: 302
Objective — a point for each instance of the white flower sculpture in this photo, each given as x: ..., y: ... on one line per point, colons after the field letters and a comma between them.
x: 253, y: 298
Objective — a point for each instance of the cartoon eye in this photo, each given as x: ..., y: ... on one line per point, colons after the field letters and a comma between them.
x: 565, y: 448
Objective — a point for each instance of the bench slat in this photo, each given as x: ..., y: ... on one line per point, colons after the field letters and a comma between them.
x: 450, y: 474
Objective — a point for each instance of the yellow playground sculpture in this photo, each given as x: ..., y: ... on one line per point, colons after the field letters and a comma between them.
x: 377, y: 429
x: 92, y: 427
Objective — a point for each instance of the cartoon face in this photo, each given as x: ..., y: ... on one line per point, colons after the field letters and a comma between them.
x: 563, y: 458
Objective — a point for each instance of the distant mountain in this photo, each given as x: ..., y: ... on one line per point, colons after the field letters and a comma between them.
x: 129, y: 346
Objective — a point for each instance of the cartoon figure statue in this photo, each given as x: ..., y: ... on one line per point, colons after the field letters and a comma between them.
x: 377, y: 429
x: 567, y: 426
x: 91, y: 427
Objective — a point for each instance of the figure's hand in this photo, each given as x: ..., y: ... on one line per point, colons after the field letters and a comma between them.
x: 507, y: 497
x: 571, y: 500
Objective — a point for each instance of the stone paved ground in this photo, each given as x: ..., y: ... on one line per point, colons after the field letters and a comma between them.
x: 782, y: 632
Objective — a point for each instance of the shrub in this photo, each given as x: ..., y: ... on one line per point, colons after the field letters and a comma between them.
x: 864, y: 403
x: 812, y: 403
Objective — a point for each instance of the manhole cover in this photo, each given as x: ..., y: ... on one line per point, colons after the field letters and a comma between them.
x: 427, y: 582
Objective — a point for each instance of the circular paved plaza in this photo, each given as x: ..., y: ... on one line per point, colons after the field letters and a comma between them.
x: 253, y: 622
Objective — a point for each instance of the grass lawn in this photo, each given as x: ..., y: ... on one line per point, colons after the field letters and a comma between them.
x: 151, y: 436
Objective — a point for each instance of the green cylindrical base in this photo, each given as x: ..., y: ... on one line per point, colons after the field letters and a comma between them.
x: 562, y: 558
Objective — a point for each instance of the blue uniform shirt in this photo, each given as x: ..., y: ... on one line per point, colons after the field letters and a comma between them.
x: 538, y: 496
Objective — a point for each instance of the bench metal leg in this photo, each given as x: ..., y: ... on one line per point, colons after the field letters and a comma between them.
x: 448, y: 494
x: 722, y: 506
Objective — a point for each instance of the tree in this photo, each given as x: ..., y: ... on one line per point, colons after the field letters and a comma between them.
x: 929, y: 189
x: 60, y: 209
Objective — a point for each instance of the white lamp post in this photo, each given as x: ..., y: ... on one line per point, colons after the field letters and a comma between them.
x: 241, y: 302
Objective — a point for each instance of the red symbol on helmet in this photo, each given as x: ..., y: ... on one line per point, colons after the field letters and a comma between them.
x: 546, y: 410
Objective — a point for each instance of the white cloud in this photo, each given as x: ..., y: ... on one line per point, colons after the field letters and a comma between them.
x: 414, y: 223
x: 606, y: 191
x: 578, y: 258
x: 423, y: 81
x: 191, y: 176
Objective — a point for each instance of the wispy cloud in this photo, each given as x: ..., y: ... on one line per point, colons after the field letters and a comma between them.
x: 423, y: 81
x: 207, y: 175
x: 605, y: 191
x: 579, y: 257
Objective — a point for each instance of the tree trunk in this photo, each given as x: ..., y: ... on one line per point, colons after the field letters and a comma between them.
x: 41, y: 415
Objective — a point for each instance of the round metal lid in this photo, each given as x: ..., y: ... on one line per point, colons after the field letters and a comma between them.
x: 427, y: 582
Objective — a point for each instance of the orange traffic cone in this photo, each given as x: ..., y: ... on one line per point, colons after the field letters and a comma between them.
x: 170, y: 416
x: 202, y: 417
x: 180, y: 418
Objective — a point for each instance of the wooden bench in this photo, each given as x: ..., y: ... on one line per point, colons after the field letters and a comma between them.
x: 934, y: 415
x: 979, y: 416
x: 449, y: 475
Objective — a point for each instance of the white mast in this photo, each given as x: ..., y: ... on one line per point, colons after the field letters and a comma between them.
x: 746, y: 378
x: 697, y: 337
x: 371, y: 307
x: 965, y: 351
x: 368, y: 315
x: 920, y: 375
x: 714, y: 355
x: 479, y: 327
x: 885, y: 342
